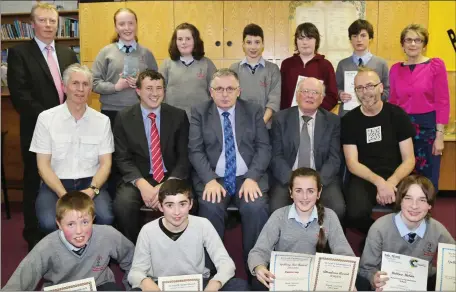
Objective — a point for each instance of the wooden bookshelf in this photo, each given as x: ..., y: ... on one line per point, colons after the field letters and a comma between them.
x: 9, y: 18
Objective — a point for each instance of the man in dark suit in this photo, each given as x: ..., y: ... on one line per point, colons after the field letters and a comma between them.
x: 151, y: 140
x: 35, y: 83
x: 230, y: 152
x: 307, y: 136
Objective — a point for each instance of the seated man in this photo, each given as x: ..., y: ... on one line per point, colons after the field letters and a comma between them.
x: 378, y: 149
x: 230, y: 152
x: 307, y: 136
x: 174, y: 244
x: 77, y: 251
x: 73, y: 145
x: 151, y: 141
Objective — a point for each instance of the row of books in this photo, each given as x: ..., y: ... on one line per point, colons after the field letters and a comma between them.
x: 67, y: 28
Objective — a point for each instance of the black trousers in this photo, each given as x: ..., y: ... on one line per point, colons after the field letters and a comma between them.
x: 114, y: 176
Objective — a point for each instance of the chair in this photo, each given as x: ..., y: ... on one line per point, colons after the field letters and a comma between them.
x: 4, y: 187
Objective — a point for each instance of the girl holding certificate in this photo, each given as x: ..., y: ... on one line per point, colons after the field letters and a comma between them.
x: 304, y: 227
x: 409, y: 232
x: 187, y: 72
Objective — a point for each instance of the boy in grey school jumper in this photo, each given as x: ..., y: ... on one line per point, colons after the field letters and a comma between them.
x: 360, y: 33
x: 411, y: 232
x: 260, y: 80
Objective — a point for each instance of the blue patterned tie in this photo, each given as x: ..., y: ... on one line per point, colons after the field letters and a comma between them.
x: 230, y: 156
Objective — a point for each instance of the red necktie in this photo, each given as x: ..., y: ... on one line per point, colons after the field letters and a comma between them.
x: 156, y: 155
x: 55, y: 72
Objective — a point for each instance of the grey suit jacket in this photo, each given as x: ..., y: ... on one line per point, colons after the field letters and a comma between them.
x: 206, y: 141
x: 285, y: 144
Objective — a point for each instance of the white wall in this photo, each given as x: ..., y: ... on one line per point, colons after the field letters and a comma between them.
x: 26, y: 6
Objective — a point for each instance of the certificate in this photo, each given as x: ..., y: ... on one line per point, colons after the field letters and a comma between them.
x: 79, y: 285
x: 446, y: 268
x: 294, y: 102
x: 349, y: 87
x: 292, y: 271
x: 334, y: 272
x: 405, y: 273
x: 181, y: 283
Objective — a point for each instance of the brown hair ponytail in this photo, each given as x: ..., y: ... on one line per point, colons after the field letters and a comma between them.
x: 322, y: 242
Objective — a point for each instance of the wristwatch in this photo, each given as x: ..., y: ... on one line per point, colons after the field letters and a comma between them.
x: 95, y: 189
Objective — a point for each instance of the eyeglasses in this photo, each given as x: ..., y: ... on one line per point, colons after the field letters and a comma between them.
x: 409, y: 41
x: 368, y: 87
x: 312, y: 93
x: 228, y: 89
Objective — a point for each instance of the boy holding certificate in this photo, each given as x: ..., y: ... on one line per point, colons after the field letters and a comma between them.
x: 174, y: 244
x: 79, y: 250
x: 304, y: 227
x: 411, y: 232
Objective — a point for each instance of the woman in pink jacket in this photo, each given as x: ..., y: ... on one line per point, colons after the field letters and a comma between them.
x: 420, y: 87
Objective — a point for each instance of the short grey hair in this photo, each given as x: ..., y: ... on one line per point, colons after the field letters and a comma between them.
x: 76, y: 67
x: 323, y: 87
x: 224, y: 72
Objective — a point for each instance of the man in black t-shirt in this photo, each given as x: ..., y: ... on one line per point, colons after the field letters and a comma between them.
x: 378, y: 149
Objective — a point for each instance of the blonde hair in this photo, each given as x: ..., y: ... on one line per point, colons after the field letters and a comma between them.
x: 74, y: 201
x: 44, y: 6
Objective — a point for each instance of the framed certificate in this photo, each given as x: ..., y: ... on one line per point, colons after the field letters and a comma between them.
x: 181, y: 283
x: 349, y: 87
x: 292, y: 271
x: 79, y: 285
x: 334, y: 272
x: 446, y: 268
x: 405, y: 273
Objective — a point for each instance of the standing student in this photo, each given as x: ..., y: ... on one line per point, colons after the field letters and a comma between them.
x: 360, y: 34
x: 307, y: 62
x: 303, y: 227
x: 260, y: 79
x: 411, y: 231
x: 116, y: 90
x: 420, y: 87
x: 187, y: 72
x: 78, y: 250
x: 174, y: 245
x: 35, y: 83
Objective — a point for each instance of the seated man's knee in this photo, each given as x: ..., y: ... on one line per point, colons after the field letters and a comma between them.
x: 47, y: 222
x: 205, y: 206
x: 260, y: 204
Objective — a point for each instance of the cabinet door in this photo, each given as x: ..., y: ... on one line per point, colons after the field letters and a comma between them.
x: 96, y: 29
x: 155, y: 25
x: 207, y: 16
x: 236, y: 15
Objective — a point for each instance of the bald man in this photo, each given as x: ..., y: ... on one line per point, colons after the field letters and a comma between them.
x: 378, y: 149
x: 307, y: 136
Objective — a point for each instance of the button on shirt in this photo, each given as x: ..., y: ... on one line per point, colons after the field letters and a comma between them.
x: 122, y: 47
x: 75, y: 146
x: 293, y: 214
x: 310, y: 130
x: 148, y: 126
x: 404, y: 230
x: 241, y: 167
x: 366, y: 58
x: 43, y: 50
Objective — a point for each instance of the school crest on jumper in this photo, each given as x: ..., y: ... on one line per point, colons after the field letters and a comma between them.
x: 200, y: 74
x: 99, y: 264
x: 429, y: 250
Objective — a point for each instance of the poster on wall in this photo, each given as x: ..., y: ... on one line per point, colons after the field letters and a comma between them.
x: 332, y: 18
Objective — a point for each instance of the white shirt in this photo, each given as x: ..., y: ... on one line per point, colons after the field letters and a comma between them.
x: 43, y: 50
x: 75, y: 146
x: 241, y: 167
x: 310, y: 130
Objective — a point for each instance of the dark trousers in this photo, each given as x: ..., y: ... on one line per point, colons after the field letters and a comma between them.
x: 331, y: 197
x: 253, y: 214
x: 31, y: 182
x: 127, y: 205
x: 109, y: 286
x: 114, y: 175
x: 361, y: 198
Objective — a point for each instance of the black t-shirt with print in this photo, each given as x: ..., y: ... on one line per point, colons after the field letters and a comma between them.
x: 377, y: 138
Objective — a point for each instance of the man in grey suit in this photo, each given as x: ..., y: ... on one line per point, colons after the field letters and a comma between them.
x: 229, y: 150
x: 307, y: 136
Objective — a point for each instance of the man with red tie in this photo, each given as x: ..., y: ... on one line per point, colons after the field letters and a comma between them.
x: 151, y: 140
x: 34, y: 80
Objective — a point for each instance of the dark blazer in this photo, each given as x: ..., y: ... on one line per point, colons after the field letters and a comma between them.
x: 31, y: 84
x: 132, y: 150
x: 206, y: 141
x: 285, y: 133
